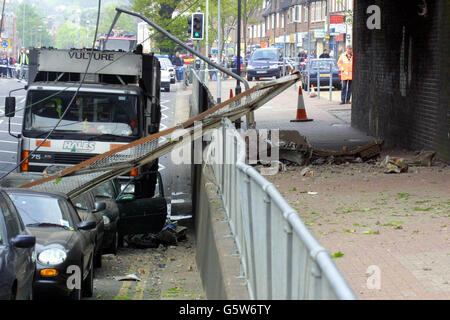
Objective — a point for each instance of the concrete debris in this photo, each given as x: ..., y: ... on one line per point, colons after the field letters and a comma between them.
x: 171, y: 234
x: 394, y: 165
x: 128, y: 277
x: 307, y: 172
x: 422, y: 158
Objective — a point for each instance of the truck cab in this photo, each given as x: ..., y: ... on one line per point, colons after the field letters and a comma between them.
x: 118, y: 102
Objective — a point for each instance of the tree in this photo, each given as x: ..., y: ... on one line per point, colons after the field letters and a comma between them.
x: 36, y: 33
x: 70, y: 35
x: 170, y: 15
x: 125, y: 23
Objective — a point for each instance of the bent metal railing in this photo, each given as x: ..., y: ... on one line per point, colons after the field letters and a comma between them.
x: 87, y: 175
x: 280, y: 258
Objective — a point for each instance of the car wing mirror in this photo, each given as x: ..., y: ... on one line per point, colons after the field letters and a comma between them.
x: 24, y: 241
x: 99, y: 206
x: 87, y: 225
x: 10, y: 107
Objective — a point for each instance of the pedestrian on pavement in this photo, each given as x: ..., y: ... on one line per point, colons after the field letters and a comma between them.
x: 345, y: 65
x: 313, y: 54
x: 23, y: 63
x: 178, y: 63
x: 324, y: 55
x: 11, y: 63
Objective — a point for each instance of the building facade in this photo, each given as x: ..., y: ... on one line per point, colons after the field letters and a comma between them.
x: 295, y: 25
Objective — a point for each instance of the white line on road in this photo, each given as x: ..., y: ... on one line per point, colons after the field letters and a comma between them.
x: 3, y: 131
x: 8, y: 141
x: 8, y: 162
x: 6, y: 151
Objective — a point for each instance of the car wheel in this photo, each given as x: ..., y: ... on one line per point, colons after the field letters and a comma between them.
x: 120, y: 240
x: 75, y: 294
x: 98, y: 259
x: 13, y: 292
x: 115, y: 243
x: 88, y: 284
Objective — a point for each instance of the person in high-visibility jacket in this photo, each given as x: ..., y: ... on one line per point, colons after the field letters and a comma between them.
x: 345, y: 64
x: 23, y: 61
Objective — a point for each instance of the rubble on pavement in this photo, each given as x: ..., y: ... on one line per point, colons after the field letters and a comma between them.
x: 170, y: 234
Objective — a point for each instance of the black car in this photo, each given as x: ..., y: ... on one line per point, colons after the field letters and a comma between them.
x: 138, y: 215
x: 314, y: 67
x: 88, y: 208
x: 106, y: 193
x: 264, y: 62
x: 64, y: 245
x: 17, y: 256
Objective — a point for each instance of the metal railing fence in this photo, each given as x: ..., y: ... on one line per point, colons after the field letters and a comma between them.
x: 280, y: 258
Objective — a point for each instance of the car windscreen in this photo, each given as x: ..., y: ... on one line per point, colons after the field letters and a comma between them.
x: 265, y: 55
x: 37, y: 210
x: 90, y: 113
x: 104, y: 190
x: 322, y: 64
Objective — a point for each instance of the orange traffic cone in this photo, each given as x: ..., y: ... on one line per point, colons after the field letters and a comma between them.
x: 301, y: 111
x: 231, y: 93
x: 313, y: 93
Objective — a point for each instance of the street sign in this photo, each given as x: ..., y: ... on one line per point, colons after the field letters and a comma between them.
x: 5, y: 43
x: 336, y: 19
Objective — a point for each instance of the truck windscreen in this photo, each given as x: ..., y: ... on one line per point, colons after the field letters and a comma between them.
x: 118, y: 44
x: 90, y: 113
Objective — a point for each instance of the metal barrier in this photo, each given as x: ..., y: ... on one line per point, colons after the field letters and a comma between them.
x: 279, y: 257
x: 202, y: 99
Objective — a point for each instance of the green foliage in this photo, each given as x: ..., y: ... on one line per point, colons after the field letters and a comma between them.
x: 162, y: 11
x: 337, y: 255
x: 36, y: 33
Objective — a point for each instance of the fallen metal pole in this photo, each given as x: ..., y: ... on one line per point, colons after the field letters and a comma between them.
x: 181, y: 43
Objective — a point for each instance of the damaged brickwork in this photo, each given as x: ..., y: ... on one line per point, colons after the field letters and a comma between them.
x: 402, y: 74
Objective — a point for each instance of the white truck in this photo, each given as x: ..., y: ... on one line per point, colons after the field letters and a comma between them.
x: 119, y: 102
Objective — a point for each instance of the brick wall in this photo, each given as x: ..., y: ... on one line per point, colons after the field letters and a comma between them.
x: 401, y: 74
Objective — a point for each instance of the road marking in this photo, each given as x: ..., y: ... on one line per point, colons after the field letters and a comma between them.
x: 161, y: 167
x: 8, y: 162
x: 123, y: 292
x: 6, y: 151
x: 3, y: 131
x: 8, y: 141
x: 177, y: 201
x: 140, y: 287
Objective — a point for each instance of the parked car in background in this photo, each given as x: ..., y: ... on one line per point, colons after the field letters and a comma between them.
x: 165, y: 76
x: 17, y: 255
x: 63, y: 239
x: 314, y: 67
x: 264, y: 62
x: 170, y: 67
x: 88, y: 208
x: 106, y: 193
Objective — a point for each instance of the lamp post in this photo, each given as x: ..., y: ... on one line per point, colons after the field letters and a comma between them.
x: 238, y: 49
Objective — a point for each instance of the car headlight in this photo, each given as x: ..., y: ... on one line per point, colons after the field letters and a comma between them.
x: 52, y: 256
x: 106, y: 220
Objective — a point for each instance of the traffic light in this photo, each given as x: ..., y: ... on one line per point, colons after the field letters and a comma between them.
x: 197, y: 26
x: 190, y: 26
